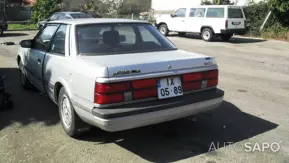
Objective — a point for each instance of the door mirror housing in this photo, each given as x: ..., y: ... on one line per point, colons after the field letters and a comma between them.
x: 173, y: 15
x: 26, y: 43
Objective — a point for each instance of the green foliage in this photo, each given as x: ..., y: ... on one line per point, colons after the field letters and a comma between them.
x: 44, y: 8
x: 17, y: 27
x: 279, y: 5
x: 217, y: 2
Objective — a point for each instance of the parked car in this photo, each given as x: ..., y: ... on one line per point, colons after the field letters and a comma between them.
x: 206, y: 20
x: 116, y: 74
x: 63, y: 16
x: 3, y: 25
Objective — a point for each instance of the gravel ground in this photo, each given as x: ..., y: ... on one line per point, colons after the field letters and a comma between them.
x: 254, y: 73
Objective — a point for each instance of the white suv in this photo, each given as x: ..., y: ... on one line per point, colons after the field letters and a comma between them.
x: 207, y: 20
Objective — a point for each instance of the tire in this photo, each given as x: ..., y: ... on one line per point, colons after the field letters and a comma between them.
x: 207, y: 34
x: 67, y: 113
x: 1, y: 32
x: 226, y: 37
x: 182, y: 34
x: 26, y: 84
x: 164, y: 29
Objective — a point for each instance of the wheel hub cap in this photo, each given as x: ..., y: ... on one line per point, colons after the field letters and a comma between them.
x: 162, y: 30
x: 66, y: 112
x: 206, y: 35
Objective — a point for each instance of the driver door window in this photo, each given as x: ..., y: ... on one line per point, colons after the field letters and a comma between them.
x: 54, y: 17
x: 177, y: 22
x: 42, y: 41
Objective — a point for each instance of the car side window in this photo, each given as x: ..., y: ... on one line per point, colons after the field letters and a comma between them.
x: 215, y: 13
x: 58, y: 42
x: 43, y: 39
x: 128, y: 33
x: 192, y: 12
x: 199, y: 12
x: 61, y: 17
x: 180, y: 12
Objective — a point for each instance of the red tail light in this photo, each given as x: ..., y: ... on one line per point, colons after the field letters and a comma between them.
x: 112, y: 87
x: 226, y: 24
x: 108, y: 98
x: 142, y: 94
x: 146, y: 83
x: 212, y: 83
x: 192, y: 86
x: 210, y: 74
x: 192, y: 77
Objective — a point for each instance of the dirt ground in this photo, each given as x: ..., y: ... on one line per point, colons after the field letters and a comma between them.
x: 254, y: 74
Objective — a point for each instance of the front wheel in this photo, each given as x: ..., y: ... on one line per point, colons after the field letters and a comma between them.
x: 1, y: 32
x: 26, y: 84
x: 164, y: 29
x: 226, y: 37
x: 207, y: 34
x: 70, y: 121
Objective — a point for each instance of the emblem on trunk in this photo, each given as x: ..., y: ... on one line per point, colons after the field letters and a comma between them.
x: 126, y: 72
x: 169, y: 67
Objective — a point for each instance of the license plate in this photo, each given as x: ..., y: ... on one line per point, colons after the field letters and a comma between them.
x: 236, y: 23
x: 170, y: 87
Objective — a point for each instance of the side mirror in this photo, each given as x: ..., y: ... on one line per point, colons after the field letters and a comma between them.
x: 173, y: 15
x: 26, y: 43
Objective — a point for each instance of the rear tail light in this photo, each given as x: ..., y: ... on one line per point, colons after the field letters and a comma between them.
x: 192, y: 77
x: 108, y: 98
x: 143, y: 94
x: 112, y: 87
x: 226, y: 24
x: 146, y: 83
x: 110, y: 93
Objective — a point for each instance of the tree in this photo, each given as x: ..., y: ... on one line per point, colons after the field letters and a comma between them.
x: 279, y: 5
x: 44, y: 8
x: 217, y: 2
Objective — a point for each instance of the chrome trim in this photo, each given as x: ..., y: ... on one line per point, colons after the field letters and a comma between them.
x: 154, y: 75
x: 145, y: 100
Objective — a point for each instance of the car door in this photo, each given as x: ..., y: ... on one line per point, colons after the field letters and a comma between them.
x: 195, y: 20
x: 177, y: 21
x: 55, y: 59
x: 37, y: 53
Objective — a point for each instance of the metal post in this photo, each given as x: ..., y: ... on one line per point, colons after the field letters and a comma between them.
x: 266, y: 19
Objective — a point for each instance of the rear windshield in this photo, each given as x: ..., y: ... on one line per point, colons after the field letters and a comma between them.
x: 235, y: 13
x: 103, y: 39
x: 75, y: 16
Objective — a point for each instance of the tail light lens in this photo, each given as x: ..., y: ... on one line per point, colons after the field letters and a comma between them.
x: 212, y: 83
x: 112, y: 87
x: 143, y: 94
x: 226, y: 24
x: 108, y: 98
x: 192, y: 77
x: 210, y: 74
x: 192, y: 86
x: 146, y: 83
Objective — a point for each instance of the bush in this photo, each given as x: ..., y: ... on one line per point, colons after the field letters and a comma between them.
x: 44, y: 8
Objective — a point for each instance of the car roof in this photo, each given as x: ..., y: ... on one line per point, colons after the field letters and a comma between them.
x: 95, y: 21
x: 69, y: 13
x: 214, y: 6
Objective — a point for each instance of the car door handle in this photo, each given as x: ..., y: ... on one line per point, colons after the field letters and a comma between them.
x: 39, y: 61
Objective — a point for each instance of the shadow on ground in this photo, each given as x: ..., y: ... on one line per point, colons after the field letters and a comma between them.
x: 233, y: 40
x: 7, y: 34
x: 29, y: 106
x: 181, y: 139
x: 166, y: 142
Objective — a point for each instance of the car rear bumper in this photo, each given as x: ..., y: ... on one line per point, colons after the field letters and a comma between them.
x: 153, y: 112
x: 233, y: 31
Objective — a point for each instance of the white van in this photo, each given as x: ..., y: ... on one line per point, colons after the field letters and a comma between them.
x: 206, y: 20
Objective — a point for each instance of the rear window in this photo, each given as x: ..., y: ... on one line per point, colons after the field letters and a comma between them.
x: 104, y: 39
x: 235, y: 13
x: 75, y: 16
x: 215, y: 13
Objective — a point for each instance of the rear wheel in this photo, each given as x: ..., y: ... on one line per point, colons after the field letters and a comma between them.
x: 70, y: 121
x: 164, y: 29
x: 207, y: 34
x: 226, y: 37
x: 182, y: 34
